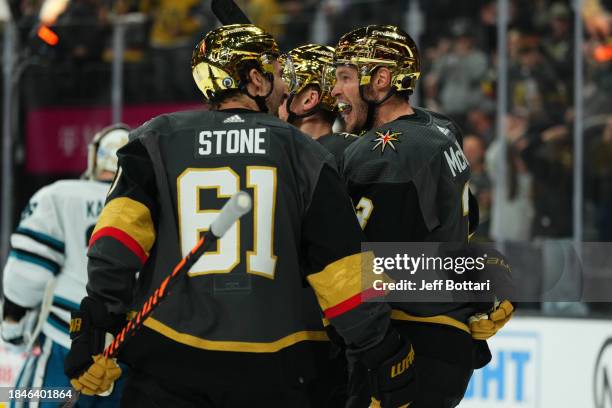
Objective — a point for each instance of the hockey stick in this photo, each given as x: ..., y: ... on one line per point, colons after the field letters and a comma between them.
x: 236, y: 207
x: 228, y: 12
x: 45, y: 309
x: 33, y: 322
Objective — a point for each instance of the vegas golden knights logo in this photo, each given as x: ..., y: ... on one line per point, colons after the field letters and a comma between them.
x: 400, y: 367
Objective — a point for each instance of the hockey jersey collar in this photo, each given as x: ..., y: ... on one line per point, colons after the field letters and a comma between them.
x: 237, y: 110
x: 419, y: 116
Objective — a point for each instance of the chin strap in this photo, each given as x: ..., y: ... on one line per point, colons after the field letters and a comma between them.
x: 293, y: 117
x: 372, y: 105
x: 260, y: 100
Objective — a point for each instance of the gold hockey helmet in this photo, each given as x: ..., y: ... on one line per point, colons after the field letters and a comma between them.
x: 309, y: 63
x: 216, y: 59
x: 373, y: 46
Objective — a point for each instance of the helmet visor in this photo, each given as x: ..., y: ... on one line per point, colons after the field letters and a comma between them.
x: 328, y: 80
x: 289, y: 75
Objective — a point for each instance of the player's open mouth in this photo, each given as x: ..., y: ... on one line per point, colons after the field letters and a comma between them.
x: 344, y: 108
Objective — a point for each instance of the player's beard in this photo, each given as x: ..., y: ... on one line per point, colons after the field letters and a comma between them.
x: 274, y: 101
x: 355, y: 118
x: 283, y: 110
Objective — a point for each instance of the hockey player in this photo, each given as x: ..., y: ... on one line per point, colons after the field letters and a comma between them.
x: 311, y: 109
x: 243, y: 327
x: 49, y: 248
x: 310, y: 106
x: 409, y: 179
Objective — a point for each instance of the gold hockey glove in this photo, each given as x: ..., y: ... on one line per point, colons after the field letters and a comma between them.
x: 484, y: 326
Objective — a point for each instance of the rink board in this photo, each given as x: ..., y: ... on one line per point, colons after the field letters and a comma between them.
x: 546, y: 363
x: 537, y: 363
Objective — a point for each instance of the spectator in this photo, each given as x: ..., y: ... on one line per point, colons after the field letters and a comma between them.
x: 486, y: 31
x: 457, y: 74
x: 480, y: 183
x: 601, y: 163
x: 530, y: 15
x: 338, y: 19
x: 597, y: 18
x: 264, y: 14
x: 81, y: 32
x: 135, y: 37
x: 77, y: 57
x: 346, y: 15
x: 558, y: 44
x: 512, y: 210
x: 481, y: 123
x: 137, y: 70
x: 431, y: 84
x: 598, y: 72
x: 534, y: 85
x: 177, y: 25
x: 548, y: 154
x: 511, y: 217
x: 298, y: 15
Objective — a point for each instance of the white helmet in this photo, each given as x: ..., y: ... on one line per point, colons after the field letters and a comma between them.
x: 102, y: 151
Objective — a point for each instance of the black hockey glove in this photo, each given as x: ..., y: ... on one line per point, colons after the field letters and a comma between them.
x: 89, y: 371
x: 17, y: 325
x: 388, y: 371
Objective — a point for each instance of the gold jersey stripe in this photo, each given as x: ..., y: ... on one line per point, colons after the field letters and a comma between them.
x: 131, y: 217
x: 341, y: 280
x: 240, y: 346
x: 439, y: 319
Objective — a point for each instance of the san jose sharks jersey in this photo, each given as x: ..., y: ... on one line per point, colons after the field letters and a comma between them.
x: 51, y: 242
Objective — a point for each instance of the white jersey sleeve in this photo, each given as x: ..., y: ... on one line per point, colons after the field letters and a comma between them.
x: 37, y: 250
x: 51, y: 241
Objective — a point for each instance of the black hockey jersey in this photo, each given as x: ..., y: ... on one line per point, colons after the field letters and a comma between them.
x: 336, y: 143
x: 409, y: 182
x: 252, y: 295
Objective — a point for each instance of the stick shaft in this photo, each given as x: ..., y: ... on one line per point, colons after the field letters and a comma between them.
x: 160, y: 293
x: 204, y: 244
x: 228, y: 12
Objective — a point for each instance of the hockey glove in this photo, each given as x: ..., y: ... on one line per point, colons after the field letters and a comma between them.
x: 89, y: 371
x: 390, y: 372
x: 15, y: 336
x: 17, y: 326
x: 98, y: 379
x: 485, y: 325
